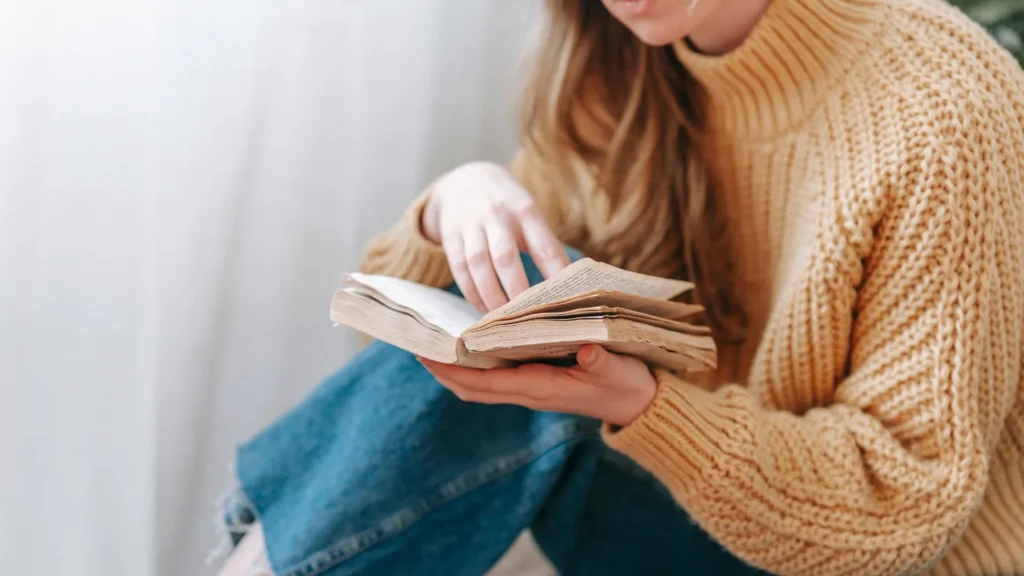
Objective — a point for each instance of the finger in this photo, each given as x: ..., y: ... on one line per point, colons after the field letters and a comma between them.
x: 443, y: 372
x: 540, y: 382
x: 460, y: 374
x: 620, y: 387
x: 542, y: 244
x: 504, y: 249
x: 470, y: 395
x: 596, y: 366
x: 481, y: 268
x: 446, y: 370
x: 593, y: 358
x: 547, y: 251
x: 454, y: 249
x: 535, y: 386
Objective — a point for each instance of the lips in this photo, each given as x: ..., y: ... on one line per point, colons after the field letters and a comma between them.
x: 633, y: 7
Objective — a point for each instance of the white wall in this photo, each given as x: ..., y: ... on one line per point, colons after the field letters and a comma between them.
x: 182, y: 182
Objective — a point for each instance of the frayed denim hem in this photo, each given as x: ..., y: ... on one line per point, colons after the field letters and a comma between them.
x: 234, y: 517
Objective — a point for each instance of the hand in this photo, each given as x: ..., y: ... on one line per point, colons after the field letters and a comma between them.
x: 483, y: 218
x: 602, y: 385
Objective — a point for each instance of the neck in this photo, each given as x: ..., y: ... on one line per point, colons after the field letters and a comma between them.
x: 794, y: 52
x: 727, y: 25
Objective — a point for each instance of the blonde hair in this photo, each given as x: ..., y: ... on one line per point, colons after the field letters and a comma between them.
x: 609, y: 121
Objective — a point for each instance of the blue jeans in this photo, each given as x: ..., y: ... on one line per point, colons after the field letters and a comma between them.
x: 383, y: 471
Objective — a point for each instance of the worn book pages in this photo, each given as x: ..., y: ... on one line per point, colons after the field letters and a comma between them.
x: 421, y: 319
x: 433, y: 306
x: 557, y: 339
x: 677, y: 312
x: 499, y: 325
x: 393, y: 325
x: 586, y: 275
x: 587, y: 302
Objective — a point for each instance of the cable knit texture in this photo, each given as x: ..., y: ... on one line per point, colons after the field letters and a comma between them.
x: 869, y: 157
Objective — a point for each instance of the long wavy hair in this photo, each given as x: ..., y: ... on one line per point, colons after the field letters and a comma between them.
x: 609, y: 123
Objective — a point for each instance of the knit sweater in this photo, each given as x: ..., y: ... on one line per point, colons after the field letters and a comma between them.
x: 869, y: 161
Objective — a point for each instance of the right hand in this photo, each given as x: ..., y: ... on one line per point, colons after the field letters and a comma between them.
x: 482, y: 218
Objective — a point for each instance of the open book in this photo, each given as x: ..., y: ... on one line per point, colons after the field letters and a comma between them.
x: 587, y: 302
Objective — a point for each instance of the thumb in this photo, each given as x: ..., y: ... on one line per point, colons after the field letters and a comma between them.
x: 594, y: 359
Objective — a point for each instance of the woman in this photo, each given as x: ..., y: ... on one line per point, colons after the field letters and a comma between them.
x: 844, y: 181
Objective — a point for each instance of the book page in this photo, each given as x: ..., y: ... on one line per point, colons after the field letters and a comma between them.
x: 352, y: 307
x: 544, y: 339
x: 668, y: 310
x: 568, y: 315
x: 586, y: 275
x: 364, y: 310
x: 433, y: 305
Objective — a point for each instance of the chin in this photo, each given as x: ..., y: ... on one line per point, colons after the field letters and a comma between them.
x: 654, y: 34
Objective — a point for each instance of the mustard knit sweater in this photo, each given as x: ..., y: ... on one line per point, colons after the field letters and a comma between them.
x: 869, y: 157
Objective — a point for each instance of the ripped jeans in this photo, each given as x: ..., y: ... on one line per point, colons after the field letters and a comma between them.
x: 382, y: 471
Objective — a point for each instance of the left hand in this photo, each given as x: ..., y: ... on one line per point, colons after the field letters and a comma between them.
x: 602, y: 385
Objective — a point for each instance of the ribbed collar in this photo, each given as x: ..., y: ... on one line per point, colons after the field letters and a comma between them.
x: 796, y: 52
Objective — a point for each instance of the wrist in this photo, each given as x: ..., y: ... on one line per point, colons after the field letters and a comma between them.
x: 635, y: 402
x: 644, y: 398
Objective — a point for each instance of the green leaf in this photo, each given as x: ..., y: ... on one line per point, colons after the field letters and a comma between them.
x: 992, y: 12
x: 1004, y: 19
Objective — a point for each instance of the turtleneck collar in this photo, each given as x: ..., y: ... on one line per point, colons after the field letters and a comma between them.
x: 797, y: 50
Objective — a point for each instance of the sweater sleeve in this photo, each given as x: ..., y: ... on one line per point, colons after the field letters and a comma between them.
x: 885, y: 477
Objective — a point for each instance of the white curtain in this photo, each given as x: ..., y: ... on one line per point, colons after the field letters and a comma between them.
x: 182, y: 183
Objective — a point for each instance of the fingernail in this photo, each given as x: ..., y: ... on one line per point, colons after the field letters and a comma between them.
x: 584, y: 355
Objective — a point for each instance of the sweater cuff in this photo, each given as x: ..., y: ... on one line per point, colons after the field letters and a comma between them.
x: 404, y: 252
x: 683, y: 432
